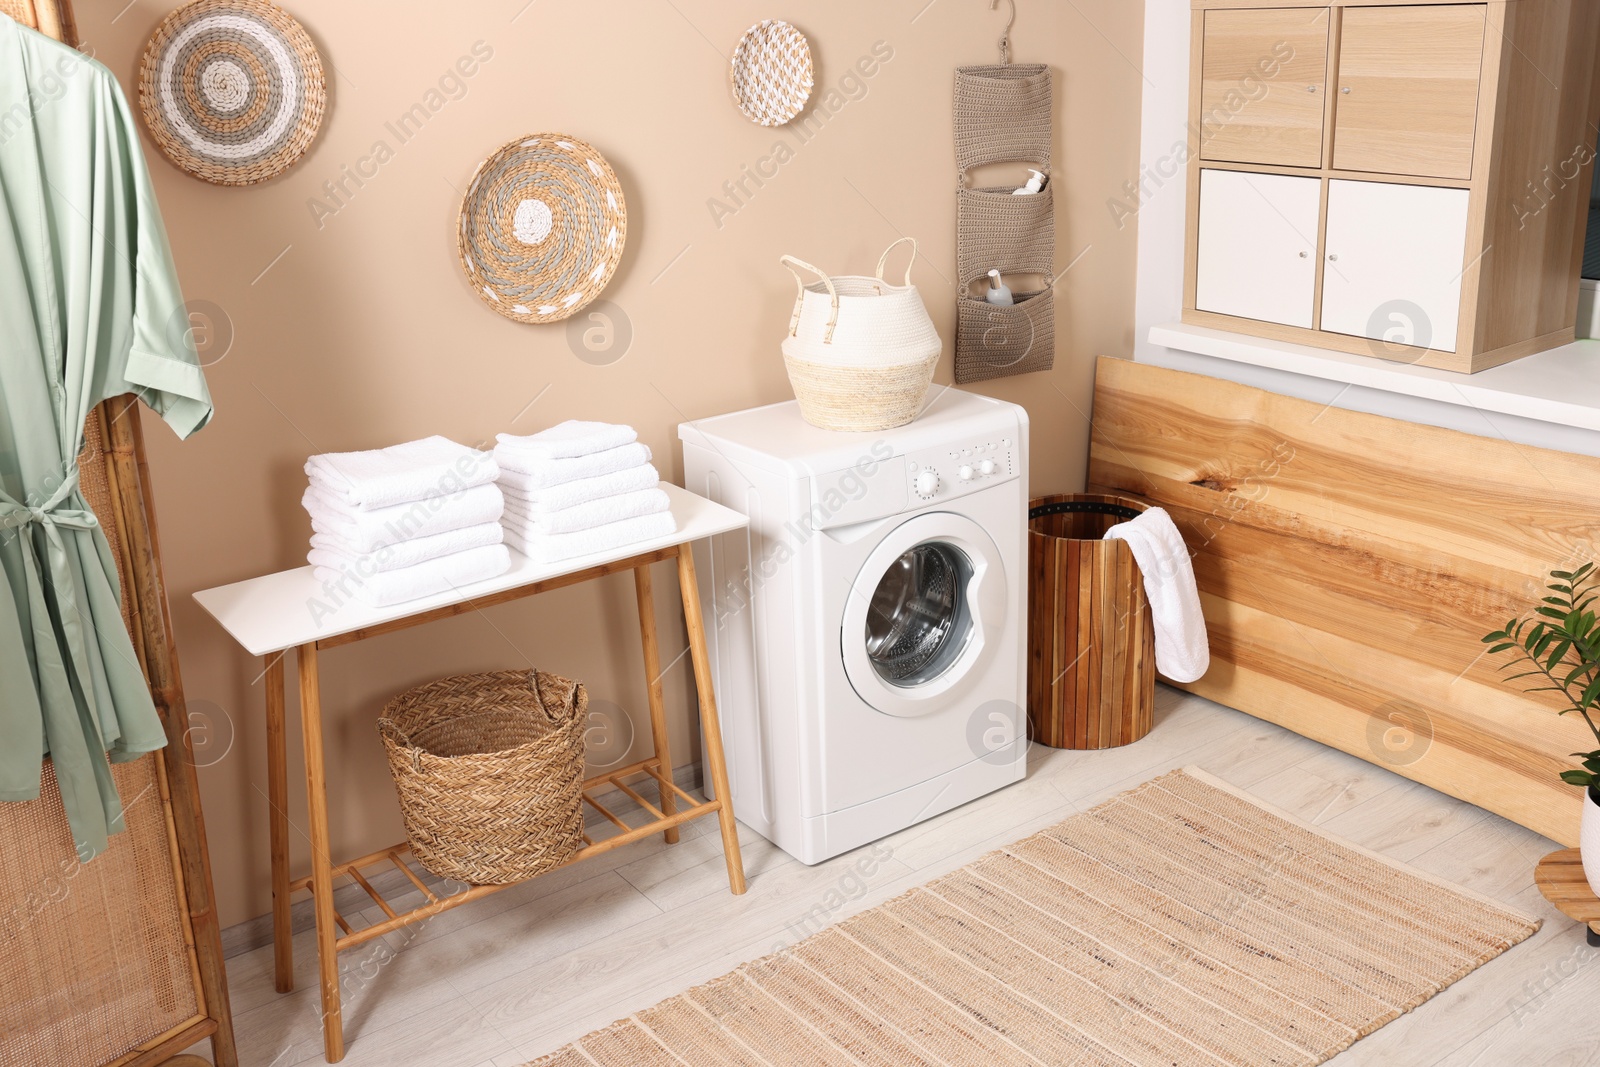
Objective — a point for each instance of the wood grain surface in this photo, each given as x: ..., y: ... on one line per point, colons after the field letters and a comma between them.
x: 1560, y: 878
x: 1263, y: 76
x: 1349, y: 565
x: 1091, y: 648
x: 1408, y: 90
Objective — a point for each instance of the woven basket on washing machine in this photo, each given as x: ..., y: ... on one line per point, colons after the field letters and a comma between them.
x: 861, y: 351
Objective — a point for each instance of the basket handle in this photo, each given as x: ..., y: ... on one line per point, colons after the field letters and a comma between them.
x: 390, y: 730
x: 884, y: 259
x: 794, y: 320
x: 569, y: 707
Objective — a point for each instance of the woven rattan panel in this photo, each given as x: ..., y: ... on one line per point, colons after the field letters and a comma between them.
x: 95, y: 955
x: 21, y: 10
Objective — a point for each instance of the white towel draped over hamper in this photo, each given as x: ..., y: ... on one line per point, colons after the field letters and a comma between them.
x: 1182, y: 651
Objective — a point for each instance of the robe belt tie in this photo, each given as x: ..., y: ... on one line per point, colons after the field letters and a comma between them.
x: 49, y: 514
x: 74, y: 736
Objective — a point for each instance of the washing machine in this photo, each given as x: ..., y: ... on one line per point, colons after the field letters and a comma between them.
x: 868, y: 630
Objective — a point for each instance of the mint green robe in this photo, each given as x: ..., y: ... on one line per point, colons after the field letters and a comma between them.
x: 89, y: 309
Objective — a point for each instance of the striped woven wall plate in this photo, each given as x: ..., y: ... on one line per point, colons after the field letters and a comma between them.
x: 542, y: 227
x: 771, y: 73
x: 232, y: 90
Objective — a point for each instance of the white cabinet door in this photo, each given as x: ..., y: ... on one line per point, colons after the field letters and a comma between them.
x: 1393, y: 265
x: 1257, y: 249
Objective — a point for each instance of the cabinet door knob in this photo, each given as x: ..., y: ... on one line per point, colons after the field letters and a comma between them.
x: 1311, y: 88
x: 1333, y: 257
x: 1304, y: 255
x: 1345, y: 90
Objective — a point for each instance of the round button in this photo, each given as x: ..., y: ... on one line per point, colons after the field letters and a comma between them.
x: 927, y: 483
x: 987, y: 467
x: 964, y: 472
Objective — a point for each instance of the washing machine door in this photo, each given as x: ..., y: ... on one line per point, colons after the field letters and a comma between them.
x: 920, y: 621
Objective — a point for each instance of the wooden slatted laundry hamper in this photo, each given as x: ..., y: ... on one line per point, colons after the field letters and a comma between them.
x: 1091, y: 643
x: 117, y: 962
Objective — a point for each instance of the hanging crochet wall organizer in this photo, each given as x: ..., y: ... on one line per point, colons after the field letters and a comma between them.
x: 1004, y: 114
x: 771, y: 73
x: 542, y: 227
x: 232, y: 90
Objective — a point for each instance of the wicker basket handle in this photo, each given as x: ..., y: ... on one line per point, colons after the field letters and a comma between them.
x: 800, y: 297
x: 884, y: 259
x: 569, y: 706
x: 390, y: 731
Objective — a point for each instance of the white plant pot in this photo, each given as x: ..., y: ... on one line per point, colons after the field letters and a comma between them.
x: 1589, y: 840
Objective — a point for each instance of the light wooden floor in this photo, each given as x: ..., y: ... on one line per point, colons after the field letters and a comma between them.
x: 500, y: 981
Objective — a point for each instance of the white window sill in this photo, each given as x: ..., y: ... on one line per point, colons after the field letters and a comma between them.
x: 1560, y: 386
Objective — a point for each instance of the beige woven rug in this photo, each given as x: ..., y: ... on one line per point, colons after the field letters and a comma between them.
x: 1180, y: 923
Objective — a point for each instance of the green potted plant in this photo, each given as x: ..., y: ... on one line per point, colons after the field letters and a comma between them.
x: 1560, y: 643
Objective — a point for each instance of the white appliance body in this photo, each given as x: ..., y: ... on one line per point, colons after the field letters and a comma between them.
x: 868, y: 630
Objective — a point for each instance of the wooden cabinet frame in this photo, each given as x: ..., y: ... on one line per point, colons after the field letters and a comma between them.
x: 1538, y: 105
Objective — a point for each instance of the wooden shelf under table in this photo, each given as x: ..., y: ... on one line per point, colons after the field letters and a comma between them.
x: 660, y: 822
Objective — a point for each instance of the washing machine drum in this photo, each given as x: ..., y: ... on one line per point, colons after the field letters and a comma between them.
x: 914, y: 628
x: 917, y: 620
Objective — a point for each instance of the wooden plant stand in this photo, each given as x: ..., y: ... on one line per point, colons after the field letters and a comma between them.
x: 268, y: 616
x: 1560, y: 878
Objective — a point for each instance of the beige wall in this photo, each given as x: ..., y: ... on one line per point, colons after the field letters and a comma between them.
x: 364, y: 332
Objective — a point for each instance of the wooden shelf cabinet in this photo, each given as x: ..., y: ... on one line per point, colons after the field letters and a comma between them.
x: 1403, y: 180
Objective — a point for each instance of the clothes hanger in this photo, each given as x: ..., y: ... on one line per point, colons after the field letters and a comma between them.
x: 1005, y: 35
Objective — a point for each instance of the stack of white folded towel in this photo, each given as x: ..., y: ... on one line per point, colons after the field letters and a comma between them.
x: 399, y: 523
x: 579, y: 488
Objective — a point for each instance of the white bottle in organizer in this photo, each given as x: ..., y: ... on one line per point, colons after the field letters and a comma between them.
x: 998, y: 292
x: 1035, y: 184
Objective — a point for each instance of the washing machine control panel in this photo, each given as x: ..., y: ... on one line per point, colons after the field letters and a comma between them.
x: 960, y: 467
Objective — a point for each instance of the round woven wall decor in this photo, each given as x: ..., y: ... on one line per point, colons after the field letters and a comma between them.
x: 542, y: 227
x: 232, y: 90
x: 772, y: 74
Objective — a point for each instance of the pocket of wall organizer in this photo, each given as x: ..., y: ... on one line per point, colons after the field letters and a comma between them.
x: 1011, y: 234
x: 998, y: 339
x: 1003, y: 115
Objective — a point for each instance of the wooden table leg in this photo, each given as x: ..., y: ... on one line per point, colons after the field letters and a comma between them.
x: 710, y: 727
x: 321, y: 855
x: 652, y: 671
x: 278, y: 825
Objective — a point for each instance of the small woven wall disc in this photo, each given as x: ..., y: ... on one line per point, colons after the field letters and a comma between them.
x: 771, y: 73
x: 542, y: 227
x: 232, y: 90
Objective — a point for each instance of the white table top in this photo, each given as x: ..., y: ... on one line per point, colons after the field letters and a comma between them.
x: 290, y: 608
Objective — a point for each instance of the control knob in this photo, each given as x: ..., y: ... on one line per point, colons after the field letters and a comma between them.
x: 927, y: 483
x: 987, y: 467
x: 964, y: 472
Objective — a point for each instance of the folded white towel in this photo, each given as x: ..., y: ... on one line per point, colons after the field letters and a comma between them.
x: 367, y: 530
x: 329, y: 550
x: 587, y: 516
x: 1182, y: 652
x: 543, y: 473
x: 401, y: 473
x: 550, y: 548
x: 382, y: 588
x: 532, y: 498
x: 571, y: 438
